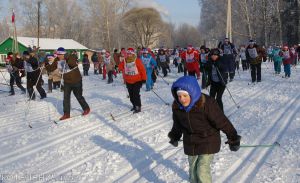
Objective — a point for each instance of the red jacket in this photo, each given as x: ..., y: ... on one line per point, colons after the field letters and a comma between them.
x: 192, y: 61
x: 133, y: 72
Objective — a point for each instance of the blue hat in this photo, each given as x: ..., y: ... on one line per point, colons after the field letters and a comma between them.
x: 191, y: 86
x: 49, y: 56
x: 60, y: 51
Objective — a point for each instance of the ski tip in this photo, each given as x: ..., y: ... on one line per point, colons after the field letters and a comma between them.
x: 29, y: 126
x: 112, y: 117
x: 276, y: 143
x: 55, y: 122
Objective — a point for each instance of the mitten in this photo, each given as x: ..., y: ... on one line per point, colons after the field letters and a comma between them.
x: 173, y: 142
x: 234, y: 143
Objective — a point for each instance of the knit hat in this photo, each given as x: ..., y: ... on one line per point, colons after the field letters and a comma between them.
x: 60, y: 51
x: 49, y: 56
x: 215, y: 51
x: 179, y: 90
x: 130, y: 51
x: 251, y: 41
x: 202, y: 47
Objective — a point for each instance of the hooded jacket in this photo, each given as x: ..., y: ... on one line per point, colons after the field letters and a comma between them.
x: 200, y: 122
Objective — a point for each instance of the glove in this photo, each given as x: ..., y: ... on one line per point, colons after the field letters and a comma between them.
x: 207, y: 84
x: 234, y: 144
x: 174, y: 142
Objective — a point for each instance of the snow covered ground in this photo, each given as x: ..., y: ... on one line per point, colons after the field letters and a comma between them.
x: 135, y: 148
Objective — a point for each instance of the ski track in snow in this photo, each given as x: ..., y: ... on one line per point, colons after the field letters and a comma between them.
x: 248, y: 169
x: 135, y: 148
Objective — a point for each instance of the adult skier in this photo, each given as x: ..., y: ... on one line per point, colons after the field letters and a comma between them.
x: 34, y: 75
x: 14, y: 65
x: 72, y: 80
x: 229, y: 54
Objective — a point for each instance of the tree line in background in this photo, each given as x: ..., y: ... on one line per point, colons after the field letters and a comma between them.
x: 99, y: 24
x: 115, y: 23
x: 266, y: 21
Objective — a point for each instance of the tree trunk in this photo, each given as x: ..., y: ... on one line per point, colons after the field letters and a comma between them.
x: 298, y: 21
x: 279, y: 21
x: 265, y: 37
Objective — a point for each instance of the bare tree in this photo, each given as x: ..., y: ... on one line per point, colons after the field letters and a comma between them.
x: 105, y: 19
x: 4, y: 29
x: 142, y: 26
x: 257, y: 19
x: 187, y: 34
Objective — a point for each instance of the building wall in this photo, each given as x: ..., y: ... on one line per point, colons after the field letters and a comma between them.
x: 6, y: 46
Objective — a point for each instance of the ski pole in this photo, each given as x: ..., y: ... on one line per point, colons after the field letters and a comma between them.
x: 228, y: 90
x: 262, y: 59
x: 127, y: 94
x: 4, y: 78
x: 60, y: 85
x: 261, y: 145
x: 166, y: 103
x: 27, y: 109
x: 163, y: 79
x: 239, y: 68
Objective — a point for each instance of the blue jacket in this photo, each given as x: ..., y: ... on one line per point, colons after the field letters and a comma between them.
x: 189, y: 84
x: 148, y: 62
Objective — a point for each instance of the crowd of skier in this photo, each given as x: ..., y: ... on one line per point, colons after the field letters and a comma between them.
x: 213, y: 68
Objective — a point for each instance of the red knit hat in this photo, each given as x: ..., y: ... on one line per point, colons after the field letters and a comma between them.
x: 130, y: 51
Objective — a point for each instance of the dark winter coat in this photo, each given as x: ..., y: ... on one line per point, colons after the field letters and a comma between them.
x: 253, y: 60
x: 85, y: 63
x: 33, y: 76
x: 18, y: 65
x: 166, y: 60
x: 200, y: 122
x: 229, y: 54
x: 220, y: 65
x: 95, y: 58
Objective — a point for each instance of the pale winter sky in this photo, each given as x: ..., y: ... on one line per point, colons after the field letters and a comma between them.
x: 175, y: 11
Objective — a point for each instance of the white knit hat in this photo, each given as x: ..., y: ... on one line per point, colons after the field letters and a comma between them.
x: 179, y: 91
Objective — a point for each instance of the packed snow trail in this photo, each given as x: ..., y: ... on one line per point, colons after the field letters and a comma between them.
x: 135, y: 148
